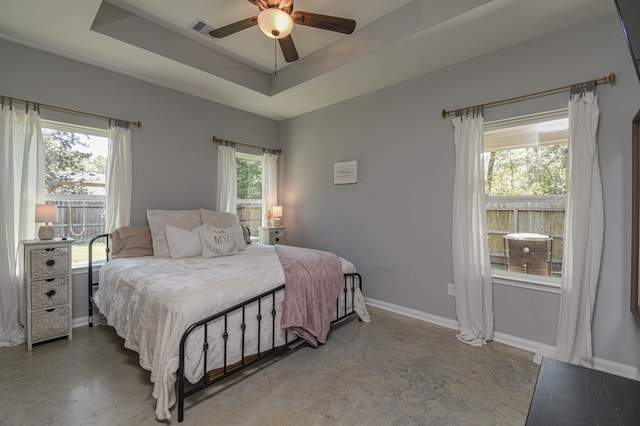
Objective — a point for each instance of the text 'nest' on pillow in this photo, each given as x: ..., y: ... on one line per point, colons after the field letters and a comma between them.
x: 218, y: 242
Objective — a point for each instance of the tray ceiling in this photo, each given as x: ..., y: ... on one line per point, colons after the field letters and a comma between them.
x: 153, y: 40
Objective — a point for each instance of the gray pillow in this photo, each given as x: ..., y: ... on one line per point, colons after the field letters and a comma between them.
x: 158, y: 221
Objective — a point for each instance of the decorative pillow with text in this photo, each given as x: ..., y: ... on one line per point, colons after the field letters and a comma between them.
x: 217, y: 241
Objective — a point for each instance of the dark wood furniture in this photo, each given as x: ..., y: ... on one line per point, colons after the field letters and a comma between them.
x: 568, y: 394
x: 635, y: 219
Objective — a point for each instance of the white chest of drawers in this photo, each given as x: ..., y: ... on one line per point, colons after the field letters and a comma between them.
x: 272, y: 235
x: 47, y: 289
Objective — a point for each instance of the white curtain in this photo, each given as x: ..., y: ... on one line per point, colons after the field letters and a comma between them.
x: 119, y: 180
x: 21, y: 150
x: 471, y: 263
x: 227, y: 180
x: 584, y: 229
x: 269, y: 184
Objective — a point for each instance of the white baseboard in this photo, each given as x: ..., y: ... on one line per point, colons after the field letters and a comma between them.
x: 412, y: 313
x: 80, y: 322
x: 538, y: 349
x: 617, y: 368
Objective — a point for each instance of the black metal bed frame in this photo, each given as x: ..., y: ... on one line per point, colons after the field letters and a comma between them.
x: 350, y: 282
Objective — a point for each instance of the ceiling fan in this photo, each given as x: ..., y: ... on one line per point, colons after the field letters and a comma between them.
x: 276, y: 19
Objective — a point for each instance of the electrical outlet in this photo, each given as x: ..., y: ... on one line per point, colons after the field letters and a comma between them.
x: 451, y: 289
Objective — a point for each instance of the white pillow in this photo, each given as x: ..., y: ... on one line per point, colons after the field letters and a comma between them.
x: 182, y: 242
x: 217, y: 241
x: 238, y: 235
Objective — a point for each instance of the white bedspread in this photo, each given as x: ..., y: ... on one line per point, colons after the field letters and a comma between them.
x: 151, y: 301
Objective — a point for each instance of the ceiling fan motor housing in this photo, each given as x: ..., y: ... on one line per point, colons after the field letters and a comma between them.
x: 276, y: 20
x: 275, y: 23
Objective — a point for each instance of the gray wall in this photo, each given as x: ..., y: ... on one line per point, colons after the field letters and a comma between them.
x: 395, y: 224
x: 174, y: 159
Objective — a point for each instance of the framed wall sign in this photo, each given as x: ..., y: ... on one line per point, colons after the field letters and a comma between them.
x: 345, y: 172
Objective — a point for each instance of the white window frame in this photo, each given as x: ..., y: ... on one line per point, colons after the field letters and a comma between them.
x: 516, y: 279
x: 252, y: 157
x: 75, y: 128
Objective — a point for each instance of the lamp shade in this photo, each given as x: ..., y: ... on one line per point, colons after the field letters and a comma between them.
x: 46, y: 213
x: 275, y: 23
x: 277, y: 211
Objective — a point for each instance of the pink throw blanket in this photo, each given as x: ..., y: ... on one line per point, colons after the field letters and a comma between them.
x: 313, y: 279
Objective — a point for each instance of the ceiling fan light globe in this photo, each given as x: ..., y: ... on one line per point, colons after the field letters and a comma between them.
x: 275, y: 23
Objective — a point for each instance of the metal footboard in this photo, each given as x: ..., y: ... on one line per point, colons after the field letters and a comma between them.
x: 90, y: 281
x: 343, y: 310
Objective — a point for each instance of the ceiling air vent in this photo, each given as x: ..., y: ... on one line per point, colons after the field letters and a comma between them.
x: 201, y: 27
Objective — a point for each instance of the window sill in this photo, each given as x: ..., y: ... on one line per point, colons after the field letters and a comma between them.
x: 84, y: 269
x: 529, y: 282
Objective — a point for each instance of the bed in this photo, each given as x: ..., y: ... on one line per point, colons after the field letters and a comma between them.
x: 196, y: 320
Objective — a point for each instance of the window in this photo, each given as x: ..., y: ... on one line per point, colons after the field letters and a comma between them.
x: 75, y: 176
x: 525, y: 171
x: 249, y: 196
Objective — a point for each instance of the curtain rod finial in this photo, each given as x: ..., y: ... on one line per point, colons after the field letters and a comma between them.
x: 612, y: 76
x: 444, y: 113
x: 138, y: 124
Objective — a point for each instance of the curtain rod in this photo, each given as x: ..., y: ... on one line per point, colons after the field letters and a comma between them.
x: 72, y: 111
x: 611, y: 77
x: 217, y: 139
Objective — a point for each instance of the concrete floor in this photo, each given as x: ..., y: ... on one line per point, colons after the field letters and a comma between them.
x: 392, y: 371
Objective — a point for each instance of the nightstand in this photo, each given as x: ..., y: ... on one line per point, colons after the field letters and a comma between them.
x: 47, y: 289
x: 272, y: 235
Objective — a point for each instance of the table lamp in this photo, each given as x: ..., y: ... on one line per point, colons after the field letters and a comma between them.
x: 47, y: 214
x: 277, y: 215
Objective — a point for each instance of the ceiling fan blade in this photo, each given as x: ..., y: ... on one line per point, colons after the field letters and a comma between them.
x: 286, y: 5
x: 325, y: 22
x: 234, y: 28
x: 260, y: 4
x: 288, y: 49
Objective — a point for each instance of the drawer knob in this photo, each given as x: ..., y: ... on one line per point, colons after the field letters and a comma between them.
x: 51, y: 262
x: 51, y: 293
